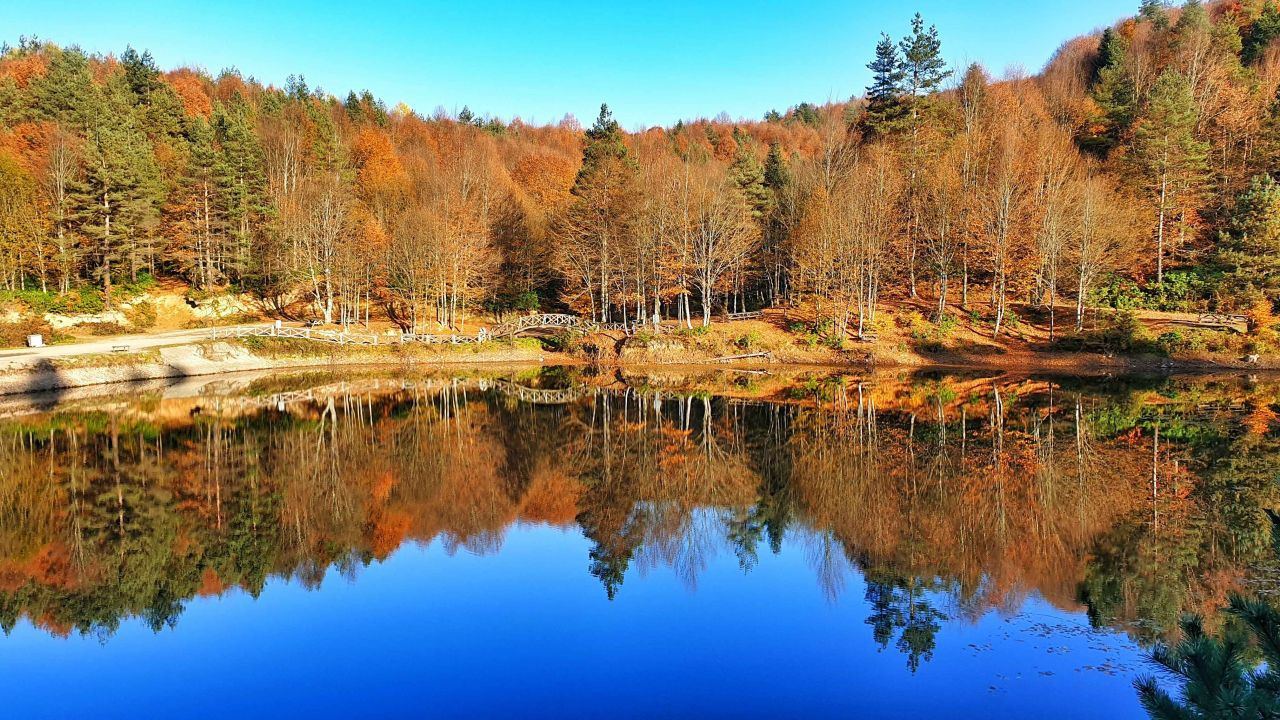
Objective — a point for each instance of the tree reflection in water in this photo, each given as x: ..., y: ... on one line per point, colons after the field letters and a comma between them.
x: 944, y: 496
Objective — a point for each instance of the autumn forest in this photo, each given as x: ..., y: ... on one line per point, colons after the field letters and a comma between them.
x: 1132, y: 172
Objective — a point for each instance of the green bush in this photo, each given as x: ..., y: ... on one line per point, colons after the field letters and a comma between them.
x: 748, y: 341
x: 526, y: 301
x: 1172, y: 342
x: 947, y: 325
x: 134, y: 288
x: 85, y: 301
x: 1119, y: 333
x: 1183, y: 291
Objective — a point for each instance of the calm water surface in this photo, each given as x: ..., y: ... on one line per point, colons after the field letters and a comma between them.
x: 554, y: 544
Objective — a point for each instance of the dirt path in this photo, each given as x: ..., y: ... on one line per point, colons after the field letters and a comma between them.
x: 106, y: 345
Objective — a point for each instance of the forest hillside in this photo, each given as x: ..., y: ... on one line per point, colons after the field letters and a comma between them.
x: 1133, y: 174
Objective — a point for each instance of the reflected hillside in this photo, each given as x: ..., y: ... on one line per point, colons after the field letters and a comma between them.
x: 937, y: 497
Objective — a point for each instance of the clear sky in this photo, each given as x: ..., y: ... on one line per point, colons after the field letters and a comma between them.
x: 654, y: 62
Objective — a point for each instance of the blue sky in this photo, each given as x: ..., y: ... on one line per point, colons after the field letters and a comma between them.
x: 654, y: 62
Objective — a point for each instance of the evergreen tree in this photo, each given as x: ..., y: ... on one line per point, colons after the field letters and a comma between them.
x: 776, y: 174
x: 1155, y: 12
x: 140, y: 72
x: 201, y: 208
x: 600, y: 218
x: 923, y: 69
x: 244, y: 181
x: 1261, y: 32
x: 806, y: 113
x: 118, y: 197
x: 158, y: 107
x: 1171, y: 161
x: 603, y: 141
x: 65, y: 91
x: 885, y: 109
x: 777, y: 181
x: 352, y: 105
x: 1249, y: 249
x: 373, y: 108
x: 747, y: 174
x: 1113, y: 94
x: 1219, y: 678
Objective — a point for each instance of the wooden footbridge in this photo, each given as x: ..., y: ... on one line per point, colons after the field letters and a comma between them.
x: 554, y: 322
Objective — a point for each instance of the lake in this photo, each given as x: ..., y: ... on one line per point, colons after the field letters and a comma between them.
x: 561, y: 543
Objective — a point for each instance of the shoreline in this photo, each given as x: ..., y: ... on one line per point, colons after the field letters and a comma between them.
x: 30, y: 376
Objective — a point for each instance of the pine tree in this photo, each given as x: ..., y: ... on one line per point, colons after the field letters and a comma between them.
x: 1261, y: 32
x: 923, y: 68
x: 1220, y: 677
x: 604, y: 206
x: 747, y: 174
x: 65, y: 91
x: 1249, y: 248
x: 777, y: 181
x: 806, y: 113
x: 885, y: 109
x: 776, y: 174
x: 1113, y: 94
x: 352, y: 105
x: 1171, y: 161
x: 158, y: 107
x: 117, y: 199
x: 1155, y: 12
x: 140, y: 72
x: 245, y: 183
x: 603, y: 141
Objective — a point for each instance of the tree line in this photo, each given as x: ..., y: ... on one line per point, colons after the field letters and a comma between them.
x: 1134, y: 171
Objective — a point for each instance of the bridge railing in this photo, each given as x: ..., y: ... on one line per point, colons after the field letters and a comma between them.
x: 338, y: 337
x: 1221, y: 319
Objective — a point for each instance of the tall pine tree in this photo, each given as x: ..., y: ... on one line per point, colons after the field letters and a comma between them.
x: 118, y: 194
x: 885, y: 109
x: 1171, y: 161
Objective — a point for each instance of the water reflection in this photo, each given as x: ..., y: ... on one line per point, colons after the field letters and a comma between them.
x: 949, y: 496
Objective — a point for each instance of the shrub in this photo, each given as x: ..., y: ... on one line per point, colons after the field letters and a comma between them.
x: 1121, y: 333
x: 748, y: 341
x: 947, y: 325
x: 142, y: 315
x: 134, y: 288
x: 15, y: 334
x: 106, y: 328
x: 526, y: 301
x: 86, y: 301
x: 1172, y: 342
